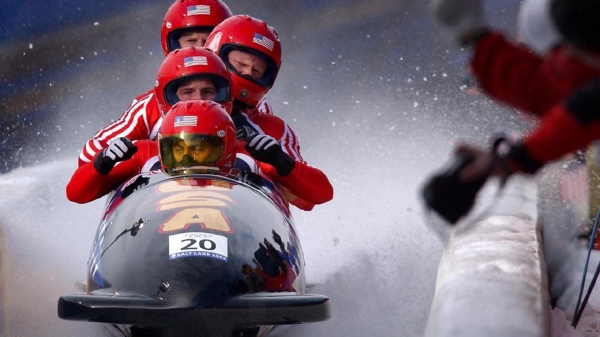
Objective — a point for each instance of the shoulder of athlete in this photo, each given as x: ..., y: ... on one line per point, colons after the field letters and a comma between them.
x: 264, y: 107
x: 146, y: 147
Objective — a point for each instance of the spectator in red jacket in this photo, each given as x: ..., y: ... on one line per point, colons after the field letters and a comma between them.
x: 510, y: 72
x: 531, y: 83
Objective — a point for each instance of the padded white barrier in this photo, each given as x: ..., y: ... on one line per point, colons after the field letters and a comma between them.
x: 492, y: 277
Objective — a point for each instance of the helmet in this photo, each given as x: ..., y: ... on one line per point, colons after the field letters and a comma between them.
x: 536, y: 28
x: 250, y: 35
x: 186, y: 14
x: 577, y: 21
x: 192, y: 63
x: 195, y: 136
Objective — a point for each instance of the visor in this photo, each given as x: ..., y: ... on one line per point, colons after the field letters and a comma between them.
x: 186, y: 153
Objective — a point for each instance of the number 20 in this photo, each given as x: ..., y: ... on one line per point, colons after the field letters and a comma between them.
x: 204, y: 244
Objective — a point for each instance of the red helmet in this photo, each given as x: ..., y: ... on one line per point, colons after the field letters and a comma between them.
x: 250, y: 35
x: 186, y: 14
x: 192, y: 63
x: 194, y: 136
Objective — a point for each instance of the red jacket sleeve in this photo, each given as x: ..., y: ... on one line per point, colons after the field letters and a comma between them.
x: 309, y: 184
x: 516, y: 76
x: 87, y: 184
x: 559, y: 133
x: 305, y: 182
x: 138, y: 122
x: 569, y: 126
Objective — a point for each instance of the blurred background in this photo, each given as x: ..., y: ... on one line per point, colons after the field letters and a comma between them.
x: 350, y: 69
x: 374, y: 90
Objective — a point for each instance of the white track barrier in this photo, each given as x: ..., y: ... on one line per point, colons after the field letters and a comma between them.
x: 492, y: 279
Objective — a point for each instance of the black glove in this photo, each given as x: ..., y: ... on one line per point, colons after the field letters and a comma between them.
x: 118, y: 150
x: 266, y: 149
x: 250, y: 178
x: 243, y: 132
x: 446, y: 195
x: 139, y: 182
x: 583, y: 103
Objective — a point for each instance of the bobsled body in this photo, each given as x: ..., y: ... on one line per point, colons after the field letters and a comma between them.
x: 197, y: 255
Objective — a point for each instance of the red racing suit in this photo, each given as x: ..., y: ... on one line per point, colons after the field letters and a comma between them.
x: 87, y: 184
x: 514, y: 75
x: 141, y: 120
x: 540, y: 86
x: 571, y: 125
x: 306, y: 182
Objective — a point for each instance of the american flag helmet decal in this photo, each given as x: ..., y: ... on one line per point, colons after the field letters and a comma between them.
x: 263, y: 41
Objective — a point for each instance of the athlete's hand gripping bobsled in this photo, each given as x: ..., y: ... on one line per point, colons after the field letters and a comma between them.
x: 196, y: 255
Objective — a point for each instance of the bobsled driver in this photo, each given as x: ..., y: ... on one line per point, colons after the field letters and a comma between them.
x: 252, y: 51
x: 196, y: 137
x: 187, y: 23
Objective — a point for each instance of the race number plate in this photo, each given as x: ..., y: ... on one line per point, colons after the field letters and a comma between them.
x: 198, y: 244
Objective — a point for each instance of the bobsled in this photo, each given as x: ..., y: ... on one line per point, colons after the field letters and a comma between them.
x: 196, y: 255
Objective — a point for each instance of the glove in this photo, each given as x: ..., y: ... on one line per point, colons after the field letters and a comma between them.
x: 463, y: 17
x: 584, y: 101
x: 118, y: 150
x: 244, y: 132
x: 451, y: 193
x: 250, y: 178
x: 447, y: 195
x: 266, y: 149
x: 137, y: 184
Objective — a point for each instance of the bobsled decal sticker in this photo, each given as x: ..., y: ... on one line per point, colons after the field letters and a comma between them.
x: 204, y: 217
x: 198, y: 244
x: 194, y: 206
x: 194, y: 198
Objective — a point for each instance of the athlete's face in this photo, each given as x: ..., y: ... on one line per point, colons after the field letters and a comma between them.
x: 247, y: 64
x: 197, y: 150
x: 197, y: 89
x: 193, y: 38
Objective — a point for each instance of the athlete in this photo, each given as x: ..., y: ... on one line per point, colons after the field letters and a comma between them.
x: 196, y: 137
x: 252, y: 51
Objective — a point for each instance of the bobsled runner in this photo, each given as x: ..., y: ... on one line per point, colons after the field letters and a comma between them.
x: 196, y: 255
